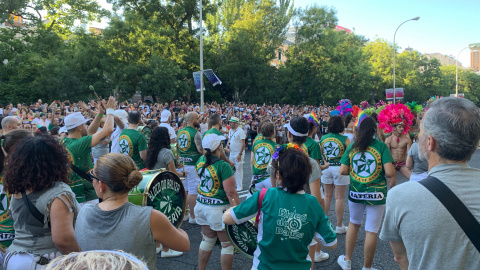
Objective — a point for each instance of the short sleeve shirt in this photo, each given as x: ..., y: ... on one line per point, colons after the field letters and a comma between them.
x: 235, y: 137
x: 131, y: 143
x: 263, y: 150
x: 79, y: 153
x: 313, y: 148
x: 289, y: 221
x: 164, y: 157
x: 368, y: 184
x: 210, y: 189
x: 419, y: 166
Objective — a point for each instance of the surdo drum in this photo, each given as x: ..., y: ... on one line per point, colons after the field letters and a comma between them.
x: 162, y: 190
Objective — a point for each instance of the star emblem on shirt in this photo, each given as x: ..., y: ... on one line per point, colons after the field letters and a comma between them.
x: 3, y: 202
x: 182, y: 140
x: 331, y: 149
x: 206, y: 182
x: 262, y: 156
x: 125, y: 148
x: 363, y: 164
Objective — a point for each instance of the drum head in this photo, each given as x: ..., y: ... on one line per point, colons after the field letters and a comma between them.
x: 243, y: 237
x: 166, y: 193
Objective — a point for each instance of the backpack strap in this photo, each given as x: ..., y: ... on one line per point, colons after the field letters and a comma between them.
x: 31, y: 207
x: 456, y: 207
x: 260, y: 202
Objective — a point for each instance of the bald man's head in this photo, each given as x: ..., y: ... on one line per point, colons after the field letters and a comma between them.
x: 192, y: 119
x: 10, y: 123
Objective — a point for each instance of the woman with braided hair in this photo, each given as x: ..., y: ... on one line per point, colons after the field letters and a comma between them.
x: 369, y: 163
x: 216, y: 192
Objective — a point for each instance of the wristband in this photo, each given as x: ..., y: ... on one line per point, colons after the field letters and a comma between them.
x: 100, y: 115
x: 110, y: 111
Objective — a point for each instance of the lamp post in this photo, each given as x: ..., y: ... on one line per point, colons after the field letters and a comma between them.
x: 201, y: 59
x: 456, y: 72
x: 394, y: 51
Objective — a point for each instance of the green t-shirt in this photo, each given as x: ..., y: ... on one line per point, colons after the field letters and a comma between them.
x: 210, y: 189
x: 259, y: 136
x: 79, y: 151
x: 288, y: 224
x: 263, y: 150
x: 186, y: 145
x: 333, y: 145
x: 7, y: 233
x: 313, y: 149
x: 368, y: 184
x: 212, y: 131
x: 131, y: 143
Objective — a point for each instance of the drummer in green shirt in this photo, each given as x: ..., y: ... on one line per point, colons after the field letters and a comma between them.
x: 79, y: 143
x: 132, y: 143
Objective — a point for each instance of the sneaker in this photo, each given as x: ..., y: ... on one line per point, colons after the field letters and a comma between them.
x: 345, y: 265
x: 341, y: 230
x: 321, y: 256
x: 239, y: 189
x: 159, y: 249
x: 371, y: 268
x: 171, y: 253
x: 192, y: 220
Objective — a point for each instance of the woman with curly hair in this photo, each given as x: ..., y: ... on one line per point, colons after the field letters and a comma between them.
x: 116, y: 223
x: 369, y: 163
x: 43, y: 206
x: 8, y: 141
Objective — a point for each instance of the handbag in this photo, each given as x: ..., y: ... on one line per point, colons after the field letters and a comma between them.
x: 457, y: 209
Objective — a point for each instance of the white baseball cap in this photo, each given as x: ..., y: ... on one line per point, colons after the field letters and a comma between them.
x: 72, y: 121
x: 165, y: 115
x: 122, y: 114
x: 212, y: 141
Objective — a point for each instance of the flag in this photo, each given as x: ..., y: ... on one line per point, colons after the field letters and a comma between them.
x: 312, y: 118
x: 196, y: 78
x: 361, y: 116
x: 214, y: 80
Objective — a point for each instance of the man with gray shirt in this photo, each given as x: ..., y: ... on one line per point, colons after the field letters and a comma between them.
x: 422, y: 232
x: 418, y: 166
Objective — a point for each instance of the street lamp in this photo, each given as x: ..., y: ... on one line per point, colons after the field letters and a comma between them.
x: 456, y: 72
x: 201, y: 60
x: 394, y: 51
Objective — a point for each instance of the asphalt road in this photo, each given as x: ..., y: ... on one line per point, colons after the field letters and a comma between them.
x: 383, y: 255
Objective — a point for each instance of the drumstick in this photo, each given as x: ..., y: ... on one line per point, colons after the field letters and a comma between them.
x: 93, y: 89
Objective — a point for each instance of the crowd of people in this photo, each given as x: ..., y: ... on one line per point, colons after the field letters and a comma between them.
x: 69, y: 165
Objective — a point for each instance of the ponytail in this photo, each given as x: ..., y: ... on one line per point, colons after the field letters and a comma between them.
x: 208, y: 156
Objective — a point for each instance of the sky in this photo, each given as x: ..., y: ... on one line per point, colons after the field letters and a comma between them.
x: 445, y: 26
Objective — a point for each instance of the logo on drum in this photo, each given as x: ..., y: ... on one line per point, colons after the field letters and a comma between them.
x: 126, y: 146
x: 165, y: 198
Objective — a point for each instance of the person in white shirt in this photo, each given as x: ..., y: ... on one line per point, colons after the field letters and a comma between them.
x: 165, y: 122
x: 120, y: 117
x: 236, y: 146
x: 42, y: 121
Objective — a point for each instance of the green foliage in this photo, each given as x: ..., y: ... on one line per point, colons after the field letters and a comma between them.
x: 152, y: 48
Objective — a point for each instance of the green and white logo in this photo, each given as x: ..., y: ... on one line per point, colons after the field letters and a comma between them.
x: 125, y: 145
x: 263, y: 155
x: 364, y: 164
x: 183, y: 140
x: 331, y: 149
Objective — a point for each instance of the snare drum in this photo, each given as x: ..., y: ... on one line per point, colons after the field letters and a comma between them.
x: 162, y: 190
x: 243, y: 237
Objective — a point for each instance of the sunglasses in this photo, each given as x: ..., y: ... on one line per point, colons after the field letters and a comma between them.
x: 93, y: 175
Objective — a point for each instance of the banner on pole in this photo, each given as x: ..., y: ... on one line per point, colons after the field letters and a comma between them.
x: 196, y: 78
x: 398, y: 93
x: 214, y: 80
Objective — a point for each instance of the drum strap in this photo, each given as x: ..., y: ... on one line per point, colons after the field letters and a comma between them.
x: 31, y: 207
x: 260, y: 202
x: 81, y: 173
